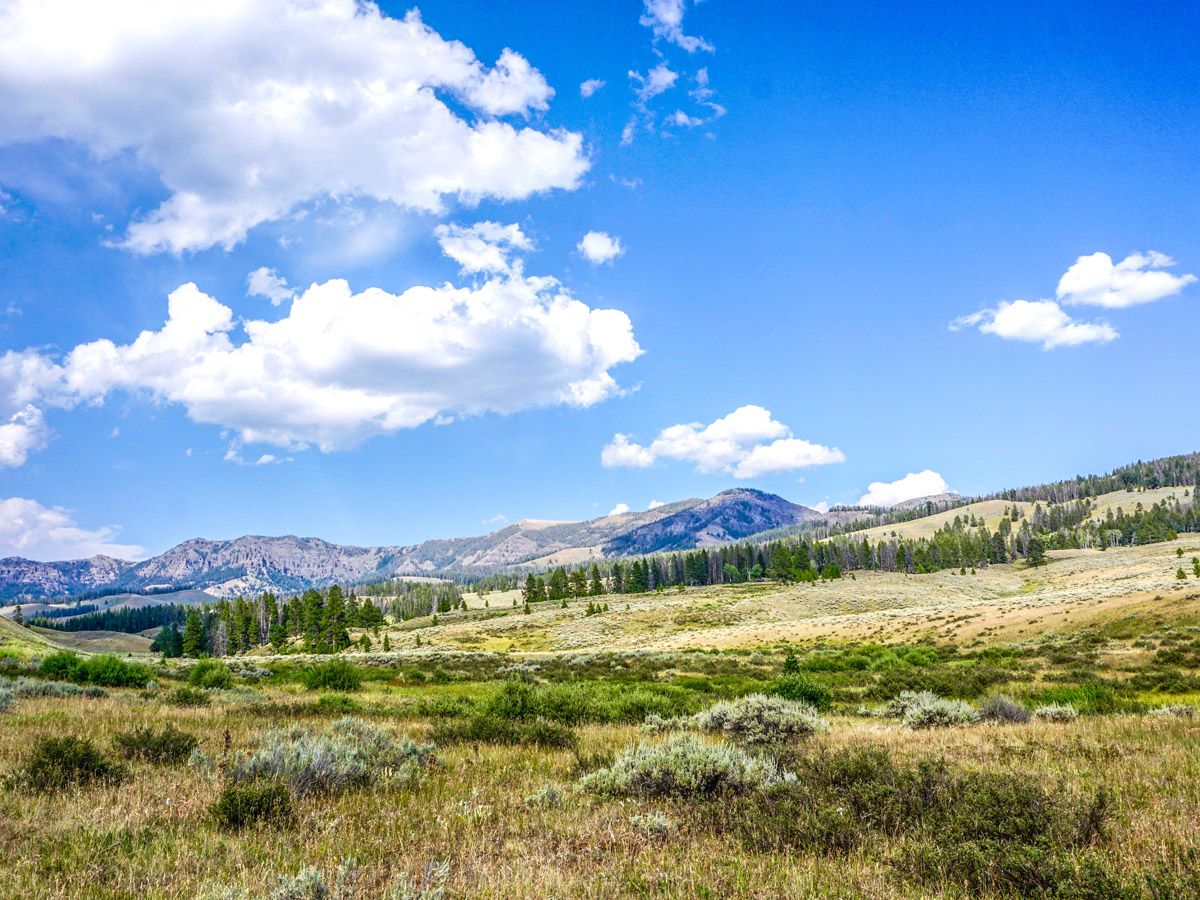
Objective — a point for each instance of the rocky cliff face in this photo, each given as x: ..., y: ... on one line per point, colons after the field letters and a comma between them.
x: 28, y: 578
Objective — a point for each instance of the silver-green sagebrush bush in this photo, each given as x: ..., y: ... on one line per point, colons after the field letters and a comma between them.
x: 1177, y: 710
x: 759, y: 719
x: 683, y: 766
x: 7, y: 700
x: 352, y: 754
x: 1057, y: 712
x: 925, y: 709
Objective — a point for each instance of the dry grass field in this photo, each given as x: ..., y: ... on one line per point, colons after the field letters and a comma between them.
x: 501, y: 809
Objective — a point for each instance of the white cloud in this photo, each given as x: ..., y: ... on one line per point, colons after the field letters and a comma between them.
x: 268, y: 283
x: 249, y: 109
x: 1136, y: 279
x: 484, y: 246
x: 680, y: 119
x: 599, y: 247
x: 1038, y: 322
x: 497, y: 519
x: 589, y: 87
x: 619, y: 510
x: 747, y: 443
x: 915, y: 484
x: 655, y: 504
x: 34, y: 531
x: 657, y: 81
x: 24, y: 433
x: 665, y: 18
x: 821, y: 507
x: 343, y: 367
x: 1092, y: 280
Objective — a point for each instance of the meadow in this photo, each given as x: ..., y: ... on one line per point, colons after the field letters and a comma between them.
x: 1010, y: 733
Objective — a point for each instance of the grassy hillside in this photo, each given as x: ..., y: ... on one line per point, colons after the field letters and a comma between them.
x: 96, y: 641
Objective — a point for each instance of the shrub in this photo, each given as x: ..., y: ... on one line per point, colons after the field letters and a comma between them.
x: 758, y: 719
x: 240, y: 805
x: 1057, y: 712
x: 354, y: 753
x: 683, y: 766
x: 982, y: 833
x: 59, y: 665
x: 7, y: 699
x: 488, y: 730
x: 35, y: 687
x: 187, y: 696
x: 210, y: 673
x: 924, y: 709
x: 803, y: 689
x: 58, y: 763
x: 576, y: 702
x: 335, y: 675
x: 336, y: 703
x: 549, y: 797
x: 651, y: 824
x: 1181, y: 710
x: 110, y: 671
x: 166, y: 746
x: 999, y: 708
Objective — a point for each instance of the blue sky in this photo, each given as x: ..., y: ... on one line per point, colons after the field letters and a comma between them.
x: 825, y: 218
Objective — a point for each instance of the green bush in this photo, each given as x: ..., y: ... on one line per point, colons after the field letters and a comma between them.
x: 240, y: 805
x: 758, y: 719
x: 683, y: 766
x: 59, y: 665
x: 167, y: 745
x: 58, y: 763
x: 491, y: 730
x: 335, y: 675
x: 576, y: 702
x: 336, y: 703
x: 7, y: 699
x: 210, y: 673
x: 803, y: 689
x: 978, y: 833
x: 187, y: 696
x: 107, y: 670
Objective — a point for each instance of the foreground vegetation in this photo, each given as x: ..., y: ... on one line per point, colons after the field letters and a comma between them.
x: 1062, y: 765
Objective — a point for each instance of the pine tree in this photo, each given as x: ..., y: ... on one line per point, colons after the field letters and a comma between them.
x: 334, y: 634
x: 193, y: 636
x: 387, y: 644
x: 596, y: 588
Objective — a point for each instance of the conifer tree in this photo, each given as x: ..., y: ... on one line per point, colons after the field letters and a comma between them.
x: 193, y: 635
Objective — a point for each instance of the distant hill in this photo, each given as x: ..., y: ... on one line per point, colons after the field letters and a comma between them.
x: 253, y: 563
x: 728, y: 516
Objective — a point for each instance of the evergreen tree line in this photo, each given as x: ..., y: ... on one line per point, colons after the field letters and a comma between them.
x: 129, y: 620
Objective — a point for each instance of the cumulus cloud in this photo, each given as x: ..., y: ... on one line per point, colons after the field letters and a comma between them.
x: 343, y: 367
x: 915, y: 484
x: 484, y: 246
x: 655, y: 504
x: 265, y: 282
x: 619, y: 510
x: 599, y: 247
x: 589, y: 87
x: 1036, y: 321
x: 665, y: 19
x: 34, y: 531
x: 24, y: 433
x: 1092, y: 280
x: 1138, y: 278
x: 249, y: 109
x: 747, y: 443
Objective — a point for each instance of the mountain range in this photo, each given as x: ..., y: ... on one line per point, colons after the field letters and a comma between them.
x: 253, y: 563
